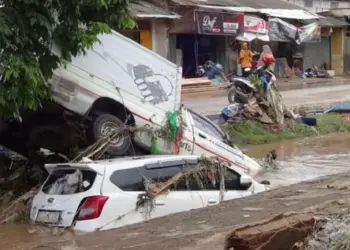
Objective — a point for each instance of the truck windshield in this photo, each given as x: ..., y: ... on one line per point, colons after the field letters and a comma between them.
x: 207, y: 127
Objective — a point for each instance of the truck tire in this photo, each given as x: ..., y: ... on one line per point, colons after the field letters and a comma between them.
x: 54, y: 137
x: 103, y: 125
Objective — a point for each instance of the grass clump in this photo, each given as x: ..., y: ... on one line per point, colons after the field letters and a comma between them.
x: 343, y: 243
x: 255, y: 133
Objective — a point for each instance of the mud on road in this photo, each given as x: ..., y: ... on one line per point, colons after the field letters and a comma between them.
x: 199, y: 229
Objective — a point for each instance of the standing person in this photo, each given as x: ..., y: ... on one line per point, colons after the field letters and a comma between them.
x: 266, y: 50
x: 245, y: 58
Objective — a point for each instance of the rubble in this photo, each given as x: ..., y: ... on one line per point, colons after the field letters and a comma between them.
x: 333, y: 235
x: 262, y: 103
x: 281, y: 232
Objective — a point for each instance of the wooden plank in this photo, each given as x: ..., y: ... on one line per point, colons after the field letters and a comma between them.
x: 196, y: 82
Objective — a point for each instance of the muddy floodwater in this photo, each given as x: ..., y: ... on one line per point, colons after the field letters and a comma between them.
x: 298, y: 160
x: 305, y: 159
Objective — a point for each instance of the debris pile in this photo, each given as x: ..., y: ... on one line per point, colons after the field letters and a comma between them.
x: 298, y: 231
x: 333, y: 235
x: 280, y: 232
x: 207, y: 170
x: 258, y: 100
x: 19, y: 174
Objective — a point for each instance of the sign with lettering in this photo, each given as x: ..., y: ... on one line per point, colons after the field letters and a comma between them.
x: 215, y: 23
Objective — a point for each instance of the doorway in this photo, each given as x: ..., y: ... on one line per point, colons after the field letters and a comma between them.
x: 197, y: 49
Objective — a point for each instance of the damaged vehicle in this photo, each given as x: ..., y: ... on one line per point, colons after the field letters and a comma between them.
x: 116, y: 84
x: 106, y: 194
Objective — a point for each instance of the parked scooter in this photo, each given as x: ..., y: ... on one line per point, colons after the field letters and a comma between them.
x: 241, y: 87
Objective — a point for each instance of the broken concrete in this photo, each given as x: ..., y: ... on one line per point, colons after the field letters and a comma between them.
x: 278, y: 233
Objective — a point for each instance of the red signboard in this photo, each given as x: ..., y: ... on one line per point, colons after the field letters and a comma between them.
x: 214, y: 23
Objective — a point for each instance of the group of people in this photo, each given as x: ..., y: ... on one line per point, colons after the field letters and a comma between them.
x: 246, y: 58
x: 277, y: 65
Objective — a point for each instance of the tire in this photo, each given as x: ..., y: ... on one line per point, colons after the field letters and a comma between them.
x: 231, y: 95
x: 54, y: 137
x: 241, y: 97
x: 102, y: 125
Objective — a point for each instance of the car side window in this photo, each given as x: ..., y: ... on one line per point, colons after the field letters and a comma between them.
x: 233, y: 181
x: 210, y: 181
x: 133, y: 179
x: 129, y: 179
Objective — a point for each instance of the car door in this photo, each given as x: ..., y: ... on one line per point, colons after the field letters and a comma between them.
x: 178, y: 197
x: 233, y: 189
x: 209, y: 140
x: 125, y: 207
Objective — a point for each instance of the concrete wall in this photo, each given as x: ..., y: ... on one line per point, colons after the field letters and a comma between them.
x: 337, y: 53
x: 160, y: 37
x: 320, y: 5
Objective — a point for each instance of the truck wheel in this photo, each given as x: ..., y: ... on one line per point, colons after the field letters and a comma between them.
x: 54, y: 137
x: 105, y: 124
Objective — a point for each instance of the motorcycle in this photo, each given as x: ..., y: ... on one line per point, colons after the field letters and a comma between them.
x: 214, y: 71
x: 242, y: 88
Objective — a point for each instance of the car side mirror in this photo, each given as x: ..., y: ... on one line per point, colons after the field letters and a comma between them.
x: 246, y: 180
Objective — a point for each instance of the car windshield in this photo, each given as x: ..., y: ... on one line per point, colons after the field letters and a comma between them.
x: 207, y: 127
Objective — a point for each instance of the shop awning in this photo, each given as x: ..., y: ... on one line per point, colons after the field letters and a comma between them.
x: 254, y: 4
x: 329, y: 21
x: 144, y: 9
x: 289, y: 14
x: 281, y: 13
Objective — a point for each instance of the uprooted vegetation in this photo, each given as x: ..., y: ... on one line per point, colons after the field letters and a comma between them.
x: 254, y: 132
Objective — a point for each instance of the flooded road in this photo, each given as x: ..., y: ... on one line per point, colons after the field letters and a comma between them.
x: 298, y: 160
x: 306, y: 159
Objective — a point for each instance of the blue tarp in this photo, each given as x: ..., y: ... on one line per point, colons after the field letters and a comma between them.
x: 339, y: 107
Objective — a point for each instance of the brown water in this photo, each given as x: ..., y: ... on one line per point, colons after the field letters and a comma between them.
x: 298, y: 160
x: 305, y: 159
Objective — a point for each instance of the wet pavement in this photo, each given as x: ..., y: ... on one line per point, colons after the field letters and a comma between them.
x: 320, y: 96
x: 298, y: 160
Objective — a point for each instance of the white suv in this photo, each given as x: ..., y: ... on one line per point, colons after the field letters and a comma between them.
x: 102, y: 195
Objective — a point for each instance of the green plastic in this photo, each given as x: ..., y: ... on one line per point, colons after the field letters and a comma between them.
x: 154, y: 145
x: 172, y: 122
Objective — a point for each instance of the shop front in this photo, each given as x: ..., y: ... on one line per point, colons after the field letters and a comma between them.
x: 203, y: 39
x: 152, y: 24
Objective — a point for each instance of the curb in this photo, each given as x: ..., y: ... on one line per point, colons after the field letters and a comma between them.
x: 215, y: 90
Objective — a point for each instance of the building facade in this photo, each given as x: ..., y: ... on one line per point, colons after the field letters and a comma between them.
x: 318, y: 6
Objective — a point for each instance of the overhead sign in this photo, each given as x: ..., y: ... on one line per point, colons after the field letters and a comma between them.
x: 215, y: 23
x: 255, y: 24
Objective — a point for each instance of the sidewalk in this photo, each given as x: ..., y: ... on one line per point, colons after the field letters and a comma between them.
x: 215, y: 90
x: 311, y: 98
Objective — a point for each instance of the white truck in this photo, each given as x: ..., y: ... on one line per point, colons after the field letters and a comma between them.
x: 120, y: 82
